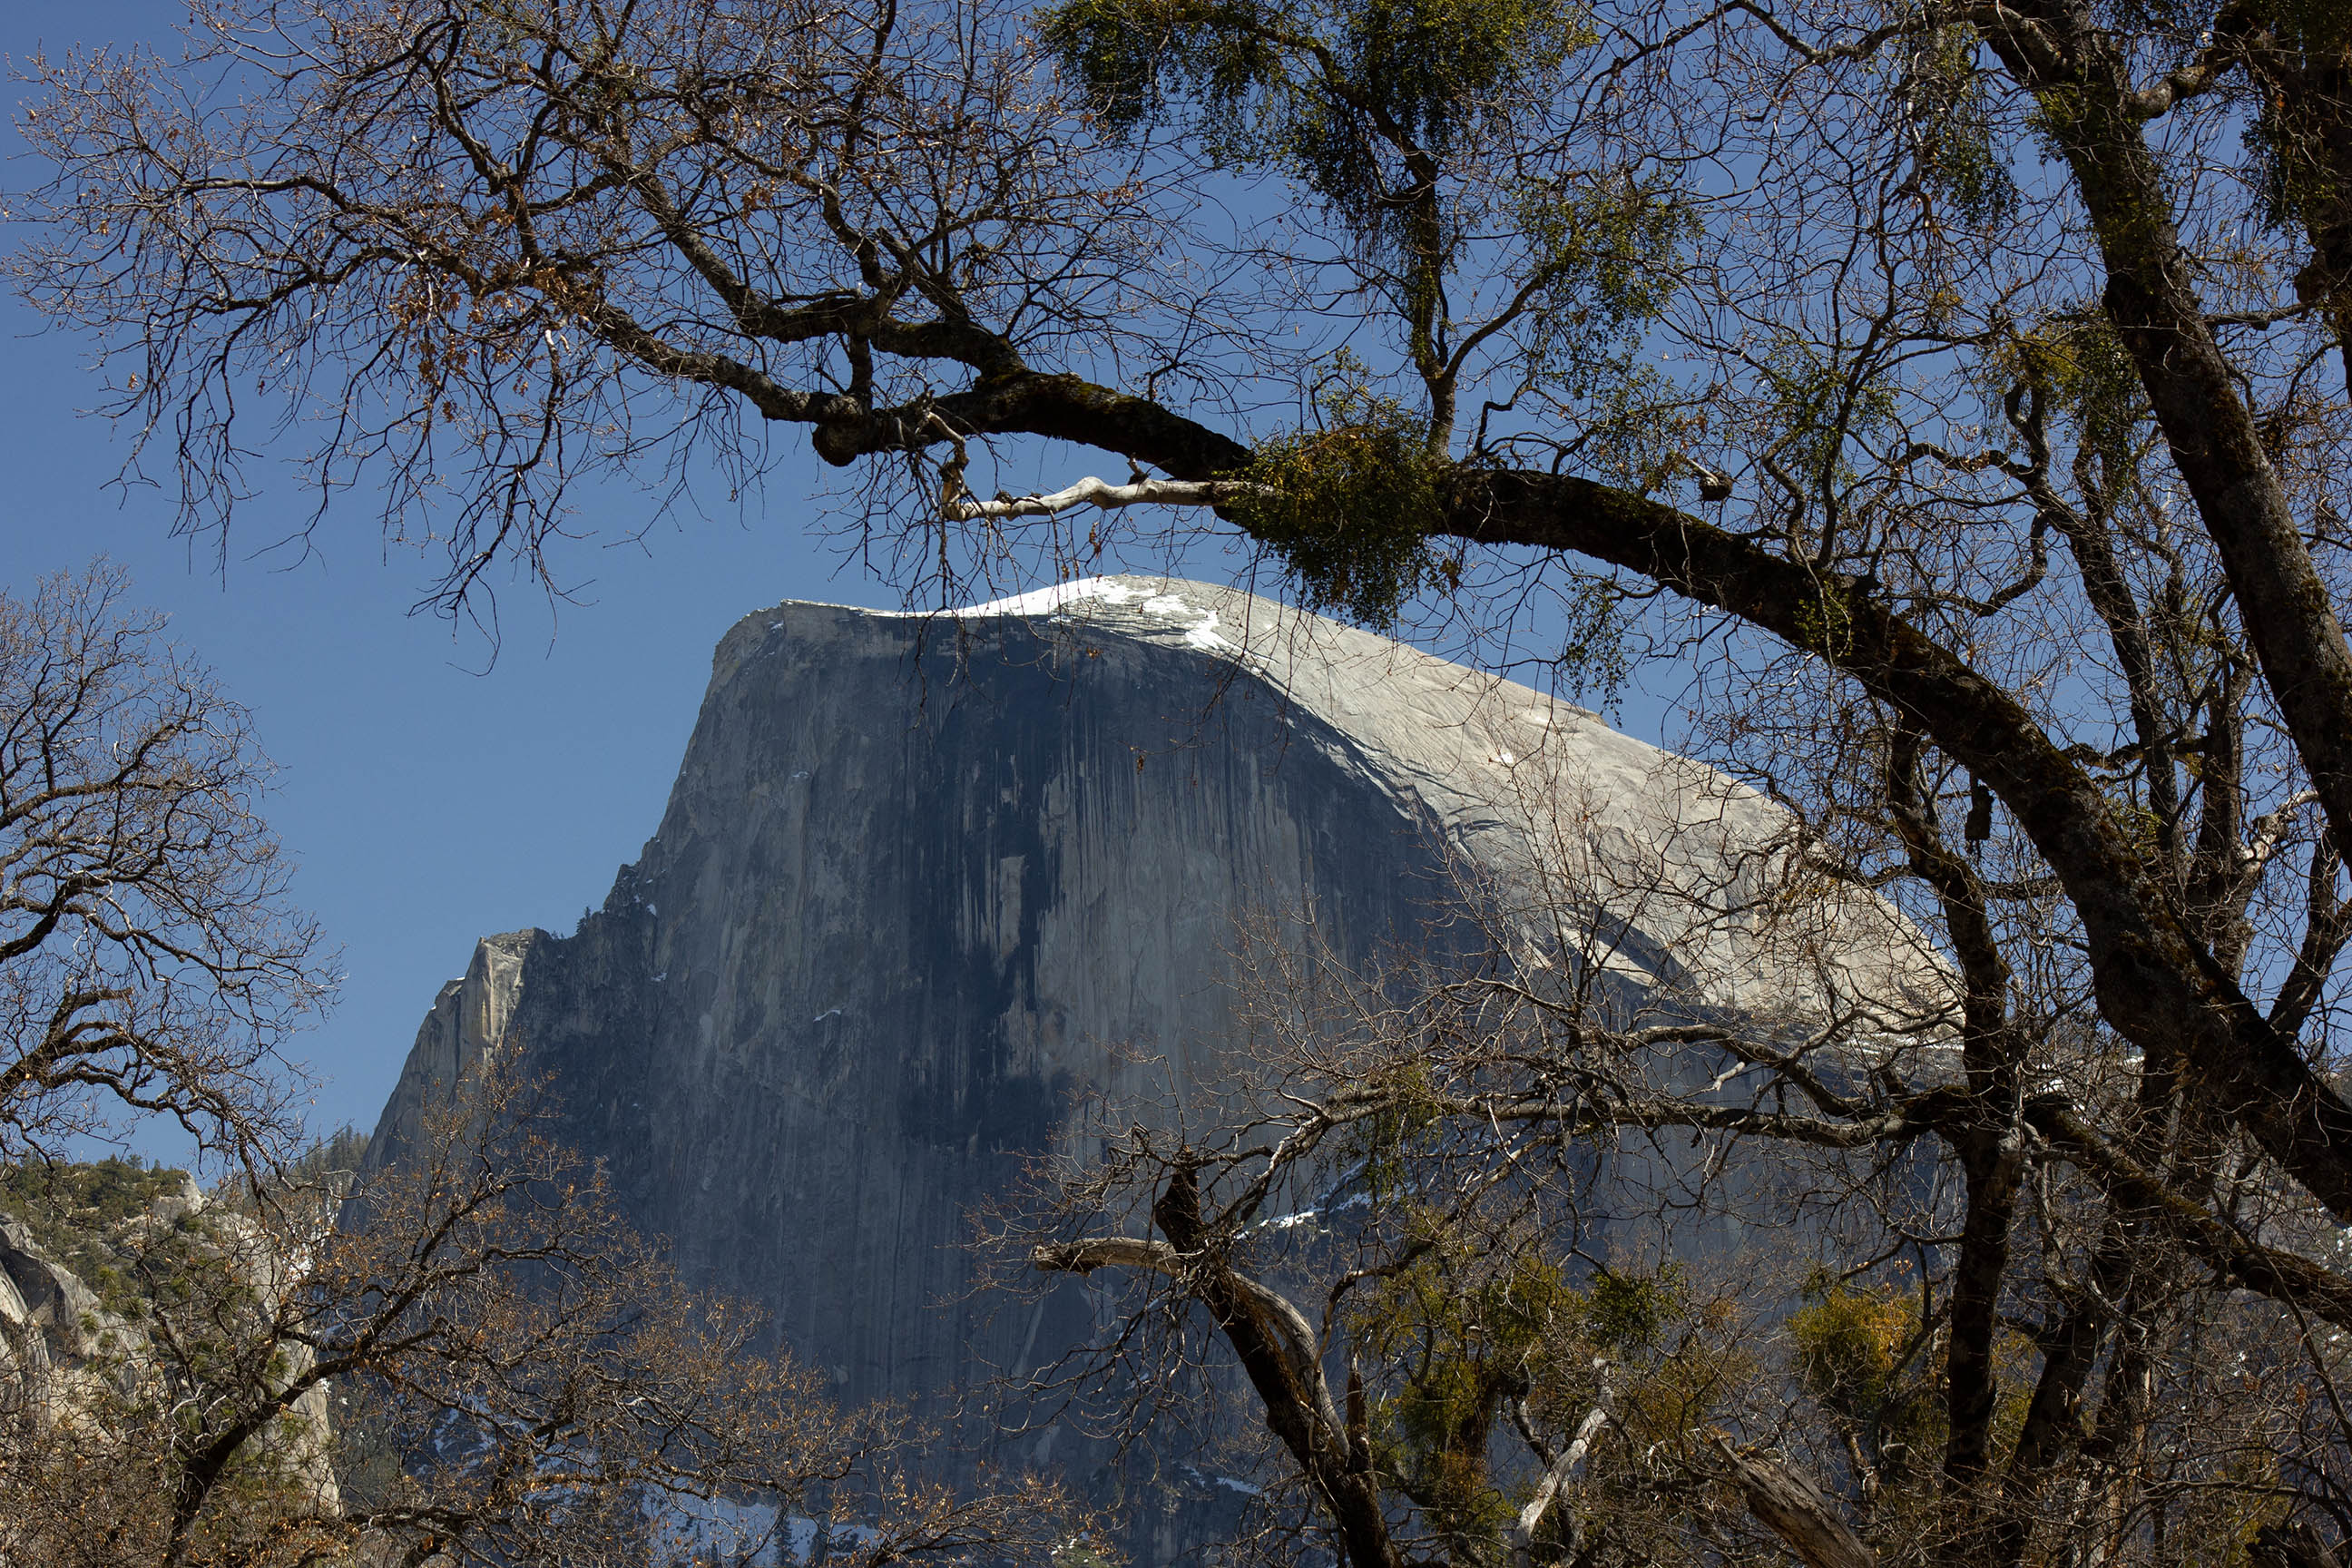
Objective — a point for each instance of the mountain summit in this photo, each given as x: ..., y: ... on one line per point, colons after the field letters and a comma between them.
x: 926, y: 882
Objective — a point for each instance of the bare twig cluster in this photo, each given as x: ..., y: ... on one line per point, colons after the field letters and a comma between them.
x: 472, y: 1360
x: 150, y: 963
x: 1957, y: 390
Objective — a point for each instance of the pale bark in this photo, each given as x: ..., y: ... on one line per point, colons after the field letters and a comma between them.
x: 958, y: 507
x: 1520, y: 1537
x: 1792, y: 1508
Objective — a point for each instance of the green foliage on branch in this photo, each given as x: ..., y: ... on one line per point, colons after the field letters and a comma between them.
x: 1465, y: 1335
x: 1849, y: 1343
x: 1952, y: 122
x: 1605, y: 251
x: 1628, y: 1314
x: 2297, y: 179
x: 1350, y: 505
x: 1261, y: 82
x: 2080, y: 366
x: 1472, y: 1331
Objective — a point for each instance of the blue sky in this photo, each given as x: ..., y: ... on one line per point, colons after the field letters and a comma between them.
x: 428, y: 800
x: 427, y: 803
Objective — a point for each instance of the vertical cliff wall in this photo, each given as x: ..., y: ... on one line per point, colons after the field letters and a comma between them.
x: 924, y: 880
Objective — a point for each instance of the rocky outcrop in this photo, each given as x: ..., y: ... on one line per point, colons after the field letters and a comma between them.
x: 66, y: 1357
x: 468, y: 1020
x: 922, y: 881
x: 47, y: 1317
x: 47, y: 1296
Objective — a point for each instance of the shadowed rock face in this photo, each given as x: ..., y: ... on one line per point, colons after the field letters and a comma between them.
x: 922, y: 880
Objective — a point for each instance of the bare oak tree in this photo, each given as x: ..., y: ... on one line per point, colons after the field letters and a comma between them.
x: 151, y: 964
x: 1959, y: 389
x: 1555, y: 1250
x: 475, y: 1361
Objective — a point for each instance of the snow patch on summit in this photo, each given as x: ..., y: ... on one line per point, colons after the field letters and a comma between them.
x: 1198, y: 624
x: 1045, y: 601
x: 1201, y: 633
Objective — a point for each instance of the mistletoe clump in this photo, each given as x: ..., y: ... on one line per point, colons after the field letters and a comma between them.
x: 1349, y: 507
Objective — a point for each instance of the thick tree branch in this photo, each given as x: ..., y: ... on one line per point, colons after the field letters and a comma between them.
x: 958, y: 507
x: 2285, y: 608
x: 1519, y: 1537
x: 1794, y: 1509
x: 1277, y: 1349
x: 2155, y: 984
x: 2238, y: 1258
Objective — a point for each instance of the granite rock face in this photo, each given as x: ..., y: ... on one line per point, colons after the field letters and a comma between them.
x: 923, y: 880
x: 64, y: 1356
x: 48, y: 1318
